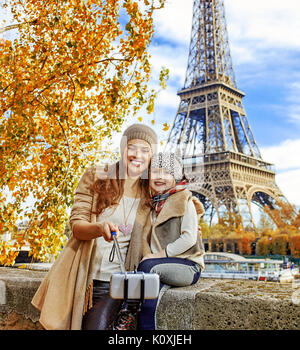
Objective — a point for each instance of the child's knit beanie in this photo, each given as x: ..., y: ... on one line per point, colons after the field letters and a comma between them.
x: 169, y: 161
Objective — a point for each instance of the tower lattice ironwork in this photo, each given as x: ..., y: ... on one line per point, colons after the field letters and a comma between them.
x: 220, y: 154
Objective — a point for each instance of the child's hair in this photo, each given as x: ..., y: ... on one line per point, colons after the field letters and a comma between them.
x: 169, y: 161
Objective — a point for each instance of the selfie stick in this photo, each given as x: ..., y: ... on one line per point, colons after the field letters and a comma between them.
x: 117, y: 247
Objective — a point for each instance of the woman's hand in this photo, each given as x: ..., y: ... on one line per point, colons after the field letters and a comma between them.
x: 160, y: 254
x: 85, y: 231
x: 104, y: 229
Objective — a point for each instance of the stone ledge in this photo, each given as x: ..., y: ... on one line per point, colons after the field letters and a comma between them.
x: 17, y: 288
x: 208, y: 305
x: 229, y: 305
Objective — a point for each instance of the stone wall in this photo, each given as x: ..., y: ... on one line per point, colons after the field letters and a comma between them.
x: 17, y: 287
x: 230, y: 305
x: 208, y: 305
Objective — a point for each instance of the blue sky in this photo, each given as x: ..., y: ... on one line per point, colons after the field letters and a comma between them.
x: 264, y: 38
x: 265, y: 48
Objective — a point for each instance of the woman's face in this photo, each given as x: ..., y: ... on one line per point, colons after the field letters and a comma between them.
x: 161, y: 180
x: 137, y: 157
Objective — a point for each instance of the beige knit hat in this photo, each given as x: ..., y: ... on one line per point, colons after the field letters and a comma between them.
x: 141, y: 132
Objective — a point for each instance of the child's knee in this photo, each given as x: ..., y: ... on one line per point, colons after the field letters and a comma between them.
x: 146, y: 265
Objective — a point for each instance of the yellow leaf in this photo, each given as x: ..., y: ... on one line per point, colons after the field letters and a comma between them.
x: 152, y: 121
x: 166, y: 127
x: 23, y: 266
x: 140, y: 119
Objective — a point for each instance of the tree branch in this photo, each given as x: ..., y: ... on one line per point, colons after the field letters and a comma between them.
x: 15, y: 26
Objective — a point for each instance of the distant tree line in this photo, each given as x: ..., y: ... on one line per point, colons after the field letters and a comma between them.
x: 277, y: 233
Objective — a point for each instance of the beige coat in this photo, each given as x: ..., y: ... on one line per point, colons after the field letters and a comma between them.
x: 66, y: 292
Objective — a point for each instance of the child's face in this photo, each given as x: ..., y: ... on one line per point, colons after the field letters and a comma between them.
x: 160, y: 180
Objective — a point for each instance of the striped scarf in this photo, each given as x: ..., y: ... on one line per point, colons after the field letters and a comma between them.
x: 157, y: 201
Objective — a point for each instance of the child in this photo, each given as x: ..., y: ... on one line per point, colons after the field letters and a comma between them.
x: 174, y: 249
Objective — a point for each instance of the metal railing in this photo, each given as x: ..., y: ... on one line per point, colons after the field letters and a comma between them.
x: 209, y: 158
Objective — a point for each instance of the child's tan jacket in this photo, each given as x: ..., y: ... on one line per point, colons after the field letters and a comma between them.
x: 167, y: 227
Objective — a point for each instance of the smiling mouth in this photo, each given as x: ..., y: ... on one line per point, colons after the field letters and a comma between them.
x: 136, y: 163
x: 159, y: 183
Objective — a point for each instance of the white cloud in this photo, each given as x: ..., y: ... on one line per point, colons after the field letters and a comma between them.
x: 254, y: 26
x: 168, y: 98
x: 293, y: 100
x: 274, y: 23
x: 289, y: 183
x: 173, y: 58
x: 285, y: 156
x: 173, y: 22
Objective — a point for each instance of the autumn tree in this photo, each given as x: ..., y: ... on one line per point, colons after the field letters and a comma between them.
x: 284, y: 214
x: 280, y: 243
x: 232, y: 221
x: 265, y: 222
x: 295, y: 245
x: 245, y: 242
x: 264, y: 245
x: 296, y: 222
x: 75, y: 71
x: 205, y: 229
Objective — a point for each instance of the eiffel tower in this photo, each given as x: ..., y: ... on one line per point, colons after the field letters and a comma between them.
x: 220, y: 155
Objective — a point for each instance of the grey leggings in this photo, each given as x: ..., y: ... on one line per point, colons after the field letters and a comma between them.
x: 174, y: 272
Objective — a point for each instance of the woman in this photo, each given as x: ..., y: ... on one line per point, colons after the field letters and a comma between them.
x: 75, y: 292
